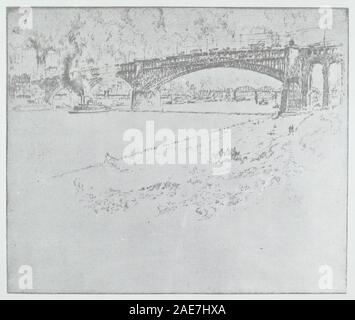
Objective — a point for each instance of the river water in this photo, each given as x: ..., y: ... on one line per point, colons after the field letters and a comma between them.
x: 278, y: 230
x: 46, y: 143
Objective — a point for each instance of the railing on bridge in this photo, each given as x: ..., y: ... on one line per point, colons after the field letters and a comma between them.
x: 203, y: 57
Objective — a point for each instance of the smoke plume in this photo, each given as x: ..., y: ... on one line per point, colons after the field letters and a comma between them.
x: 76, y: 84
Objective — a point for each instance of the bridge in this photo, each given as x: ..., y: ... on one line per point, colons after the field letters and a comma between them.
x: 292, y: 65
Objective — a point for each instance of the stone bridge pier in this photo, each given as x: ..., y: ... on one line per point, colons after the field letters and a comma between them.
x: 296, y: 93
x: 297, y: 83
x: 325, y: 72
x: 146, y: 100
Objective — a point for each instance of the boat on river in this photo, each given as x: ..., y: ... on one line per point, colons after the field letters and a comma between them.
x: 87, y: 108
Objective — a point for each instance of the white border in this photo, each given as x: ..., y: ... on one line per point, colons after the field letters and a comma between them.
x: 190, y: 3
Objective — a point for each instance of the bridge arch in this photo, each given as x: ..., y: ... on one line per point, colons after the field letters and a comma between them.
x: 56, y: 91
x: 316, y: 85
x: 150, y: 95
x: 156, y: 81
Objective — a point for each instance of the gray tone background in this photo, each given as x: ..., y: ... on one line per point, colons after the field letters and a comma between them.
x: 71, y: 249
